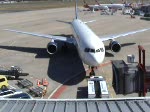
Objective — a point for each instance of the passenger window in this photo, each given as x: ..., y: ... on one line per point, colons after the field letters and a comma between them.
x: 2, y: 80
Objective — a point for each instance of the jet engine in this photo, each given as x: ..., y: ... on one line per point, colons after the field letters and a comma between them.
x: 52, y: 47
x: 114, y: 46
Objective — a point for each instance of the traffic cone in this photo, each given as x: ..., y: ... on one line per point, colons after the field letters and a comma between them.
x: 38, y: 82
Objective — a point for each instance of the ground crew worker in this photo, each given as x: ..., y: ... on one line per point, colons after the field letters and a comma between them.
x: 45, y: 82
x: 44, y: 90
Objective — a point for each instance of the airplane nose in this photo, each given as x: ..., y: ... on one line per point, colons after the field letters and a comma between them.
x: 96, y: 60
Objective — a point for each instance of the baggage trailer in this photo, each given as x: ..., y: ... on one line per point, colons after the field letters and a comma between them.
x: 103, y: 89
x: 25, y: 83
x: 36, y: 91
x: 91, y: 89
x: 97, y: 87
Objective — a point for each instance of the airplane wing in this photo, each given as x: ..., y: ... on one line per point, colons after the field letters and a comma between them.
x: 60, y: 38
x: 89, y: 21
x: 111, y: 37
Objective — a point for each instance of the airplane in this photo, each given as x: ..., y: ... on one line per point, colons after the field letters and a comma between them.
x: 95, y: 7
x: 90, y: 47
x: 112, y: 5
x: 106, y: 7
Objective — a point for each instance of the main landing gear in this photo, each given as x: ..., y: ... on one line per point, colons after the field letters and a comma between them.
x: 92, y: 73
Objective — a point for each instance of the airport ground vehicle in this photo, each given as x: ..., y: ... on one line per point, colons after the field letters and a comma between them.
x: 8, y: 92
x: 20, y: 96
x: 3, y: 82
x: 36, y: 91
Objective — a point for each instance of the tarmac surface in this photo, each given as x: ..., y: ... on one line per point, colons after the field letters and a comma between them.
x: 29, y: 52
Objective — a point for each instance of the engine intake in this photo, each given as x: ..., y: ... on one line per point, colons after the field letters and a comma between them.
x: 52, y: 47
x: 114, y: 46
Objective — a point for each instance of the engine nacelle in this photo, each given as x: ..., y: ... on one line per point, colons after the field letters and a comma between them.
x: 52, y: 47
x: 114, y: 46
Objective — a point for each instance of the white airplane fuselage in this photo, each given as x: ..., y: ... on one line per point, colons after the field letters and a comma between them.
x: 89, y: 46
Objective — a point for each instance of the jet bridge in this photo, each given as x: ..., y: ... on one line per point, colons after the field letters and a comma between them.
x: 131, y: 78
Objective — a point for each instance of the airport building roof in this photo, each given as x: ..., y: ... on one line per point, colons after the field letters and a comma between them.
x: 113, y: 105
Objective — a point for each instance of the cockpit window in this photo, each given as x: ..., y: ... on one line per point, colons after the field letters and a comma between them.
x: 93, y: 50
x: 87, y: 50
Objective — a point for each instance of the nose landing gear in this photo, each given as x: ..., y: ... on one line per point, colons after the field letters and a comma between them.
x: 92, y: 73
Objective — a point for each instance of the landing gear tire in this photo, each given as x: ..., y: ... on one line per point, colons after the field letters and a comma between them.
x: 3, y: 87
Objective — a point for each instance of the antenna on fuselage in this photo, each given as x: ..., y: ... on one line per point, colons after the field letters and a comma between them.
x: 76, y: 9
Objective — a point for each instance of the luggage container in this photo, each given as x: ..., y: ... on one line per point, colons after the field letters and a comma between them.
x: 25, y: 83
x: 103, y: 89
x: 91, y: 89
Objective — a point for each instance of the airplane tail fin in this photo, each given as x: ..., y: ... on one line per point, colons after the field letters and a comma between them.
x: 76, y: 9
x: 97, y: 2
